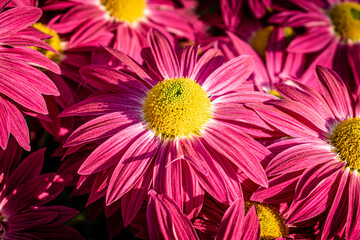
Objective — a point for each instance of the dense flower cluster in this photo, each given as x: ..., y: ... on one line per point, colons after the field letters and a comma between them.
x: 179, y: 119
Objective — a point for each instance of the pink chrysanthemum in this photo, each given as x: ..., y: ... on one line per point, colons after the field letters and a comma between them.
x: 23, y: 192
x: 179, y: 123
x: 332, y: 30
x: 129, y: 20
x: 21, y: 83
x: 318, y: 167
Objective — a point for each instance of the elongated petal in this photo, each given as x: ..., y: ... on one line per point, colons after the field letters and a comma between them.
x: 311, y: 41
x: 316, y: 203
x: 298, y: 158
x: 132, y: 201
x: 314, y: 175
x: 336, y: 218
x: 232, y: 144
x: 231, y: 223
x: 209, y: 61
x: 165, y: 57
x: 353, y: 214
x: 283, y: 121
x: 103, y: 104
x: 188, y: 60
x: 102, y: 157
x: 17, y: 125
x: 101, y: 127
x: 281, y: 189
x: 229, y: 76
x: 133, y: 164
x: 16, y: 19
x: 142, y: 72
x: 165, y: 220
x: 251, y: 225
x: 106, y: 78
x: 335, y: 93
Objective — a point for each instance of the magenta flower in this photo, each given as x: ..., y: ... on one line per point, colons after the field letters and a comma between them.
x: 318, y: 167
x: 174, y: 125
x: 332, y: 31
x: 127, y: 21
x: 23, y: 192
x: 21, y: 83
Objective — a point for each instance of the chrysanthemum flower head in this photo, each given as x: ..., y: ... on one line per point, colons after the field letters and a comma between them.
x: 176, y: 125
x: 320, y: 164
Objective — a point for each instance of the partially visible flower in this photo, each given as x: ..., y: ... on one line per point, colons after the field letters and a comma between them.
x: 332, y: 29
x: 129, y: 21
x: 23, y: 194
x: 318, y: 166
x: 22, y: 84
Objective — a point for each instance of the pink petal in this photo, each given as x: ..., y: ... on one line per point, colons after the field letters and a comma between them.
x: 104, y: 104
x: 283, y: 121
x: 132, y: 201
x: 165, y: 219
x: 298, y: 158
x: 105, y: 78
x: 336, y: 218
x: 103, y: 156
x: 188, y: 58
x: 133, y: 164
x: 313, y: 40
x: 335, y: 93
x: 251, y: 225
x: 18, y: 18
x: 142, y: 72
x: 232, y: 144
x: 275, y: 53
x: 209, y: 61
x: 164, y: 54
x: 17, y: 125
x: 314, y: 175
x: 101, y: 127
x: 229, y: 76
x: 281, y: 189
x: 316, y: 203
x: 353, y: 214
x: 231, y: 223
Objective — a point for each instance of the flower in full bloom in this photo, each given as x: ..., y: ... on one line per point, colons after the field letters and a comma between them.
x: 331, y: 30
x: 24, y: 194
x: 318, y: 167
x: 22, y: 84
x: 128, y: 20
x: 178, y: 123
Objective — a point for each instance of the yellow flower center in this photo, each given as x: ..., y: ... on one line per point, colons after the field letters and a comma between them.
x: 346, y: 140
x: 177, y: 107
x: 261, y: 38
x: 125, y: 10
x: 272, y: 225
x: 55, y: 42
x: 345, y: 18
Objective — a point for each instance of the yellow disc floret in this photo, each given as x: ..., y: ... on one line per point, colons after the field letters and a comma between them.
x: 54, y: 42
x: 346, y: 140
x: 177, y: 107
x: 345, y: 18
x: 125, y: 10
x: 271, y: 223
